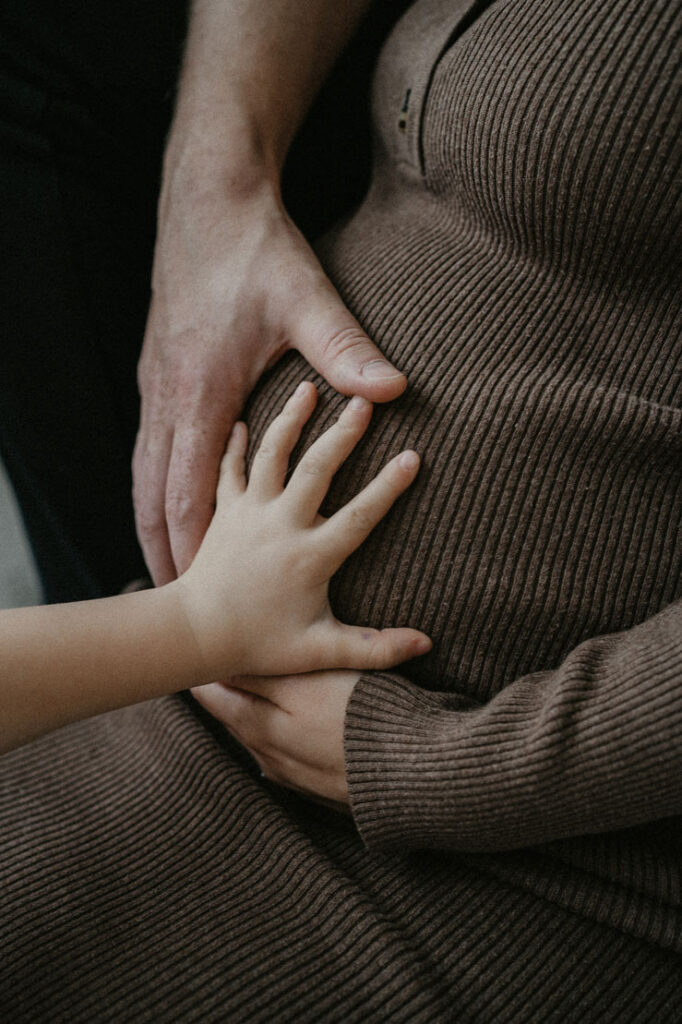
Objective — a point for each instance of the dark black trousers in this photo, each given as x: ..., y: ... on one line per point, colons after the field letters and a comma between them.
x: 86, y: 96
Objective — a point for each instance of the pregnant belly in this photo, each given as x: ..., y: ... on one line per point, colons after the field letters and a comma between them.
x: 548, y: 508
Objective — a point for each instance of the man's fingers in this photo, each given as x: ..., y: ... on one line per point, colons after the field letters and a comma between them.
x: 272, y: 458
x: 334, y: 344
x: 255, y: 721
x: 348, y: 528
x: 150, y: 470
x: 229, y: 705
x: 313, y: 474
x: 191, y: 491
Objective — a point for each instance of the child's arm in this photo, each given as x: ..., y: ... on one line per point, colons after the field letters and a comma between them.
x: 59, y: 663
x: 253, y: 602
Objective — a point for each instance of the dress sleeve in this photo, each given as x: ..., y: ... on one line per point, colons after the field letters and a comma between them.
x: 591, y: 746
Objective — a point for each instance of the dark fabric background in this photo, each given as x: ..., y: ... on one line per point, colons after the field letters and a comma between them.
x: 86, y: 97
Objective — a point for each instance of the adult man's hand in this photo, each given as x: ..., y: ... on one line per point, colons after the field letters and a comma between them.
x: 235, y: 286
x: 234, y: 283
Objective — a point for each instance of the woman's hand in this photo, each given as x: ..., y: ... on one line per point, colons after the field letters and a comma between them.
x: 292, y: 726
x: 256, y: 595
x: 234, y: 286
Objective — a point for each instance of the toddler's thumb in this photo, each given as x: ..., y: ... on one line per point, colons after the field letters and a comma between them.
x: 364, y: 648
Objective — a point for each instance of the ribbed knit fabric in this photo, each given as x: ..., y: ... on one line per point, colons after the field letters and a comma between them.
x: 515, y: 851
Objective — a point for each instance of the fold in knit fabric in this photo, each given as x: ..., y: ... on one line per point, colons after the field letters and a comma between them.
x: 518, y: 256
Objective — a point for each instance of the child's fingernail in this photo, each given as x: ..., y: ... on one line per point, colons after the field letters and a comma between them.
x: 301, y: 389
x: 423, y: 645
x: 409, y: 460
x: 358, y: 403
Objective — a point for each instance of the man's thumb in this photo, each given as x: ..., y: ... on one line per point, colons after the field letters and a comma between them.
x: 335, y: 345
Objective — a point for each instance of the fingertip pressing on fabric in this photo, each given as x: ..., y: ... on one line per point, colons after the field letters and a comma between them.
x: 367, y: 649
x: 409, y: 461
x: 271, y: 460
x: 402, y: 644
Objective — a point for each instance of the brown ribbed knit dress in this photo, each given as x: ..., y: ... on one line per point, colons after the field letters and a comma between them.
x: 516, y: 847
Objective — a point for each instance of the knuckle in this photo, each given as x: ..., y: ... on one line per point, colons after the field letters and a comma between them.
x: 179, y: 508
x: 313, y: 465
x: 150, y: 521
x: 268, y: 449
x: 360, y: 520
x: 303, y: 562
x: 281, y: 427
x: 348, y: 430
x: 344, y: 342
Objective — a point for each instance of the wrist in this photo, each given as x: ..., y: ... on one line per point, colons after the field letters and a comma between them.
x: 173, y: 609
x: 207, y: 632
x: 232, y: 163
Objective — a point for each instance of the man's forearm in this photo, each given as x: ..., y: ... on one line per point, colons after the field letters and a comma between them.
x: 251, y: 70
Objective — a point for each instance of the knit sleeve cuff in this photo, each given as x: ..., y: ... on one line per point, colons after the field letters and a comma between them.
x: 390, y: 767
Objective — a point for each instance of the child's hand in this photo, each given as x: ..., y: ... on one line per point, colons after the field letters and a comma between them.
x: 256, y: 595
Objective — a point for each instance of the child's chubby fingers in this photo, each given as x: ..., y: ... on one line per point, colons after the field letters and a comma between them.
x: 232, y: 479
x: 366, y: 649
x: 271, y: 461
x: 311, y: 479
x: 351, y: 525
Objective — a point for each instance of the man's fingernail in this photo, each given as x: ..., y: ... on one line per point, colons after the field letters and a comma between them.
x: 379, y: 369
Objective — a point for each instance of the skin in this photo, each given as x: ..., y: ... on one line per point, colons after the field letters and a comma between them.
x: 291, y: 725
x: 235, y: 285
x: 253, y: 602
